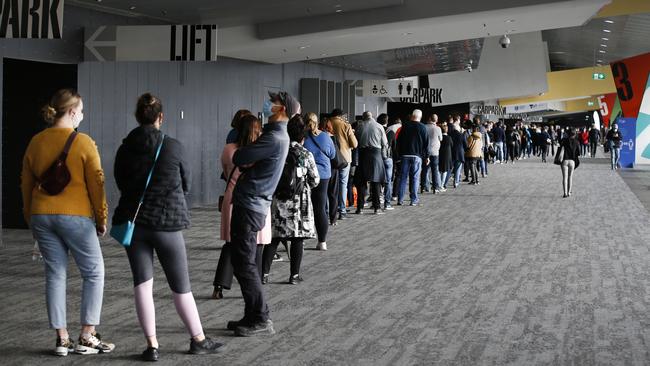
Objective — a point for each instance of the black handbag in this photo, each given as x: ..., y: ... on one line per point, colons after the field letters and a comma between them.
x: 339, y: 161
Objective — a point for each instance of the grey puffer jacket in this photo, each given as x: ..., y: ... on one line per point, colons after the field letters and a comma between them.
x: 165, y: 206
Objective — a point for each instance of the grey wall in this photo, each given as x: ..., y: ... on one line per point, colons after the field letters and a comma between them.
x: 208, y: 93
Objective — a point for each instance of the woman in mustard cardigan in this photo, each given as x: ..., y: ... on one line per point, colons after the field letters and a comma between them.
x: 69, y: 221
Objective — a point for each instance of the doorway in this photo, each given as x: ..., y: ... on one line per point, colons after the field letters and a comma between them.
x: 27, y: 86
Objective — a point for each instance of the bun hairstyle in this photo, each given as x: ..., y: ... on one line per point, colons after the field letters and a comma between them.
x: 148, y: 109
x: 311, y: 122
x: 62, y: 101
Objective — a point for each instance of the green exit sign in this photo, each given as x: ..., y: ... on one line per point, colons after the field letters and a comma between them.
x: 590, y: 103
x: 599, y: 76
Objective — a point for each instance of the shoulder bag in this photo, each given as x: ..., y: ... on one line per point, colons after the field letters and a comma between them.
x: 339, y: 161
x: 123, y: 233
x: 57, y: 176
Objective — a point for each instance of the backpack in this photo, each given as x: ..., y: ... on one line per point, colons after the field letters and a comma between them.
x: 290, y: 183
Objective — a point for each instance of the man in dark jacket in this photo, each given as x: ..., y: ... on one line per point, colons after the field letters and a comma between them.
x: 499, y: 138
x: 459, y: 147
x: 413, y: 147
x: 262, y: 163
x: 594, y: 139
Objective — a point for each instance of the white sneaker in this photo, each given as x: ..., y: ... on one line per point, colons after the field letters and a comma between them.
x: 63, y: 346
x: 93, y: 346
x: 321, y: 246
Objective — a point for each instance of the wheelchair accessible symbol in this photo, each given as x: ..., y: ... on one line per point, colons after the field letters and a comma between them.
x: 383, y: 90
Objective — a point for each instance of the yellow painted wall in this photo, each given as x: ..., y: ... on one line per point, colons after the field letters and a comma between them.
x: 580, y: 105
x: 624, y: 7
x: 570, y: 84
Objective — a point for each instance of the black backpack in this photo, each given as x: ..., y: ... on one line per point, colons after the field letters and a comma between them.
x: 290, y: 184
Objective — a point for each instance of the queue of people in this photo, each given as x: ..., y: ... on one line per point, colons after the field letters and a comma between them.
x: 288, y: 181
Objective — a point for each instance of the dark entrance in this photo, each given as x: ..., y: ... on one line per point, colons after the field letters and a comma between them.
x: 27, y: 86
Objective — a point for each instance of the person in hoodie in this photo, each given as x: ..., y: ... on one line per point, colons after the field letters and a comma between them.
x: 458, y: 153
x: 373, y: 146
x: 474, y: 153
x: 159, y: 223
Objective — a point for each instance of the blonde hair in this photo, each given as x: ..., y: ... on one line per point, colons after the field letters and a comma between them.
x: 311, y: 123
x: 62, y: 101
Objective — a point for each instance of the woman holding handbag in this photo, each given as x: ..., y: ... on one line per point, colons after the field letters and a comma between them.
x: 249, y: 128
x: 159, y: 221
x: 67, y: 218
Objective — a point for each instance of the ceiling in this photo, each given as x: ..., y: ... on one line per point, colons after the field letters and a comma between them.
x: 578, y: 47
x: 388, y: 37
x: 412, y: 61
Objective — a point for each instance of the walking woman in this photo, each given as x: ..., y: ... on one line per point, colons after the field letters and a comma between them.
x: 292, y: 218
x: 249, y: 128
x: 614, y: 141
x: 323, y: 149
x: 69, y: 220
x: 570, y: 160
x: 159, y: 223
x: 333, y: 186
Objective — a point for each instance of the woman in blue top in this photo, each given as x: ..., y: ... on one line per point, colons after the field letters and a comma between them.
x: 323, y: 149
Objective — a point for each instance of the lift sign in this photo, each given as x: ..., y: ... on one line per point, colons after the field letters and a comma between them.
x: 31, y: 18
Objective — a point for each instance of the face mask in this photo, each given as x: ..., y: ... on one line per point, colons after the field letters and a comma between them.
x: 267, y: 109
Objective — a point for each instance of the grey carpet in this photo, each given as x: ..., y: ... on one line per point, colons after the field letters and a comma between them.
x: 505, y: 273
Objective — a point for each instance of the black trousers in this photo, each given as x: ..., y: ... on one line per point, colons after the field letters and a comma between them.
x: 333, y: 195
x: 375, y: 193
x: 319, y: 200
x: 593, y: 145
x: 544, y: 150
x: 295, y: 255
x: 243, y: 234
x: 473, y: 169
x: 224, y: 273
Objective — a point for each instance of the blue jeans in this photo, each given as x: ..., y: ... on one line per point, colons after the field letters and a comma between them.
x: 425, y: 177
x: 458, y: 170
x: 56, y: 235
x: 344, y: 174
x: 388, y: 190
x: 484, y: 164
x: 615, y: 156
x: 498, y: 146
x: 411, y: 167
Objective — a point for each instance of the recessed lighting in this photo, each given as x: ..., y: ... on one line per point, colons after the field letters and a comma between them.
x: 323, y: 54
x: 304, y: 47
x: 407, y: 33
x: 132, y: 7
x: 602, y: 51
x: 607, y: 31
x: 337, y: 5
x: 509, y: 21
x: 339, y: 10
x: 609, y: 21
x: 599, y: 61
x: 603, y: 45
x: 605, y: 39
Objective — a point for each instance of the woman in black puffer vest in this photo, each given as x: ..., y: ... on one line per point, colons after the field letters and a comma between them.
x: 159, y: 222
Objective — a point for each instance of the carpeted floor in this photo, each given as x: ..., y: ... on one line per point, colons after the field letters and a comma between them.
x: 505, y: 273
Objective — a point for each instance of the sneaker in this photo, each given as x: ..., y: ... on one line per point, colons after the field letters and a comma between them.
x: 233, y: 324
x: 92, y: 346
x: 265, y: 279
x: 389, y: 207
x: 277, y: 258
x: 415, y: 203
x: 150, y: 354
x: 295, y: 279
x: 378, y: 212
x: 205, y: 346
x: 321, y: 246
x: 63, y: 346
x: 257, y: 329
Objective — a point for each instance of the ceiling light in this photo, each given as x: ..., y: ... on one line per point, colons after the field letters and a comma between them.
x: 132, y: 7
x: 323, y: 54
x: 607, y: 31
x: 407, y: 33
x: 509, y: 21
x: 337, y: 5
x: 599, y: 61
x: 609, y: 21
x: 304, y: 47
x: 605, y: 39
x: 603, y: 45
x: 602, y: 51
x: 339, y: 10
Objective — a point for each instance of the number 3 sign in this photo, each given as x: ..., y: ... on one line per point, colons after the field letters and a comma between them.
x: 630, y: 77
